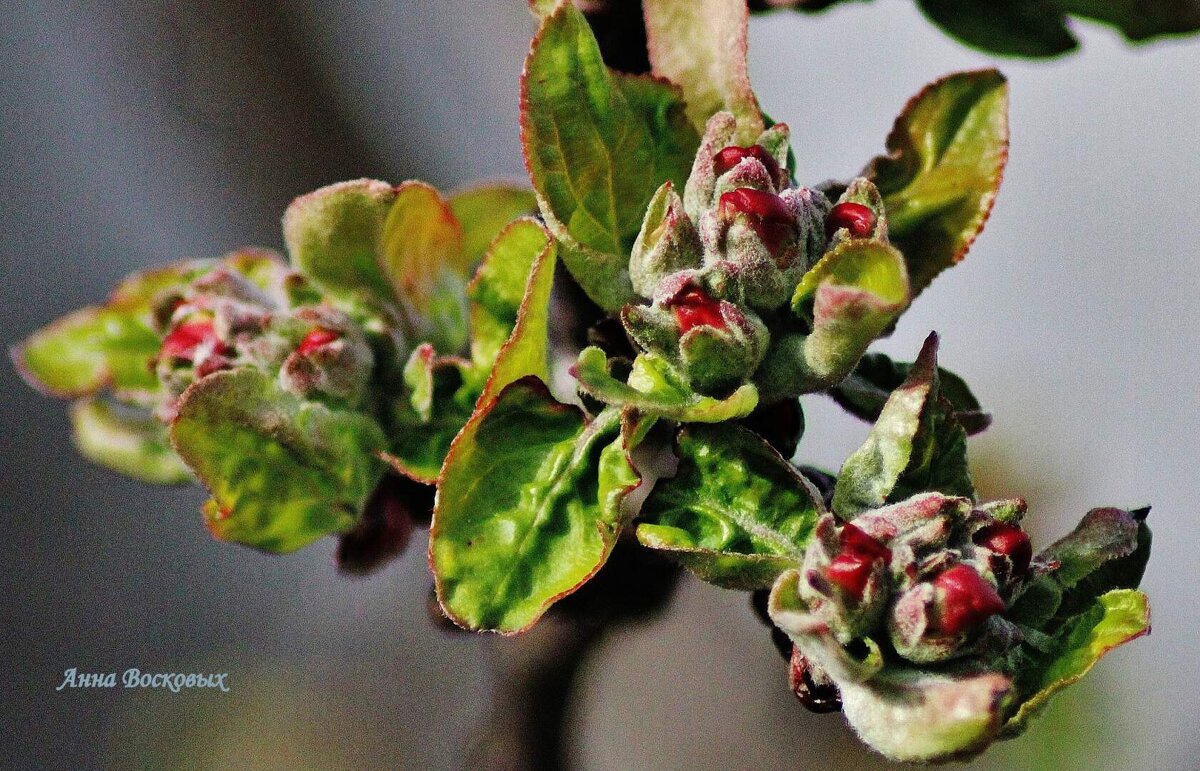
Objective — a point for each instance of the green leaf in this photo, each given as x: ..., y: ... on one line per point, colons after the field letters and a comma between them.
x: 282, y: 471
x: 138, y: 292
x: 91, y: 349
x: 851, y: 295
x: 1102, y: 535
x: 864, y: 392
x: 1113, y: 619
x: 332, y: 235
x: 655, y: 388
x: 1033, y: 28
x: 129, y: 441
x: 1036, y: 28
x: 528, y: 508
x: 914, y: 447
x: 701, y: 46
x: 597, y: 144
x: 946, y: 156
x: 443, y: 395
x: 736, y: 513
x: 1108, y: 550
x: 421, y: 253
x: 1137, y: 19
x: 510, y: 307
x: 1039, y: 28
x: 485, y: 210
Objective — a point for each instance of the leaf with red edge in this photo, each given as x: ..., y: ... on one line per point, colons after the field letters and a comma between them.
x: 597, y: 144
x: 528, y: 507
x: 946, y: 157
x: 701, y: 46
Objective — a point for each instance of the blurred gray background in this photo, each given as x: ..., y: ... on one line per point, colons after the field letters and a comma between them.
x: 134, y: 134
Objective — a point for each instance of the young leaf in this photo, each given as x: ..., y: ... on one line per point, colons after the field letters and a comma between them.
x: 946, y: 156
x: 864, y: 392
x: 510, y: 306
x: 128, y: 441
x: 90, y: 349
x: 701, y: 46
x: 1113, y: 619
x: 655, y: 388
x: 484, y: 211
x: 736, y: 513
x: 332, y: 235
x: 915, y: 447
x: 856, y: 290
x: 421, y: 253
x: 282, y: 471
x: 443, y: 395
x: 528, y: 508
x: 597, y: 144
x: 917, y: 716
x: 1108, y: 550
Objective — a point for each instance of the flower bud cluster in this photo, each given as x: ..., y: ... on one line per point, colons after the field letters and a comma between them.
x: 720, y: 265
x: 250, y: 309
x: 928, y: 578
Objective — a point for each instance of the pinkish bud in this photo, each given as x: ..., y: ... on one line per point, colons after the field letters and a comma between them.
x: 315, y: 339
x: 731, y: 156
x: 1009, y: 540
x: 967, y: 599
x: 765, y: 212
x: 855, y: 217
x: 185, y: 339
x: 695, y: 308
x: 851, y: 568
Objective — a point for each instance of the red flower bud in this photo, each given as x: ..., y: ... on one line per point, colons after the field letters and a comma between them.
x: 731, y: 156
x: 855, y: 217
x: 184, y: 339
x: 852, y: 567
x: 766, y: 213
x: 315, y: 339
x: 1009, y: 540
x: 967, y: 600
x: 694, y: 308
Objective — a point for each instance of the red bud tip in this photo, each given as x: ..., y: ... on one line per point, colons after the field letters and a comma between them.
x: 768, y: 215
x: 967, y: 599
x: 184, y: 339
x: 315, y: 339
x: 731, y: 156
x: 694, y: 308
x: 852, y: 567
x: 1009, y: 540
x: 855, y: 217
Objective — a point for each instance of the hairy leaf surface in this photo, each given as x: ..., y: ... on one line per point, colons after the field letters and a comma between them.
x: 282, y: 471
x: 945, y: 159
x: 736, y: 513
x: 528, y: 508
x: 597, y: 145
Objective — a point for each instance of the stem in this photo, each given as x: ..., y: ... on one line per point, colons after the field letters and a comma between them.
x: 533, y: 674
x: 535, y: 671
